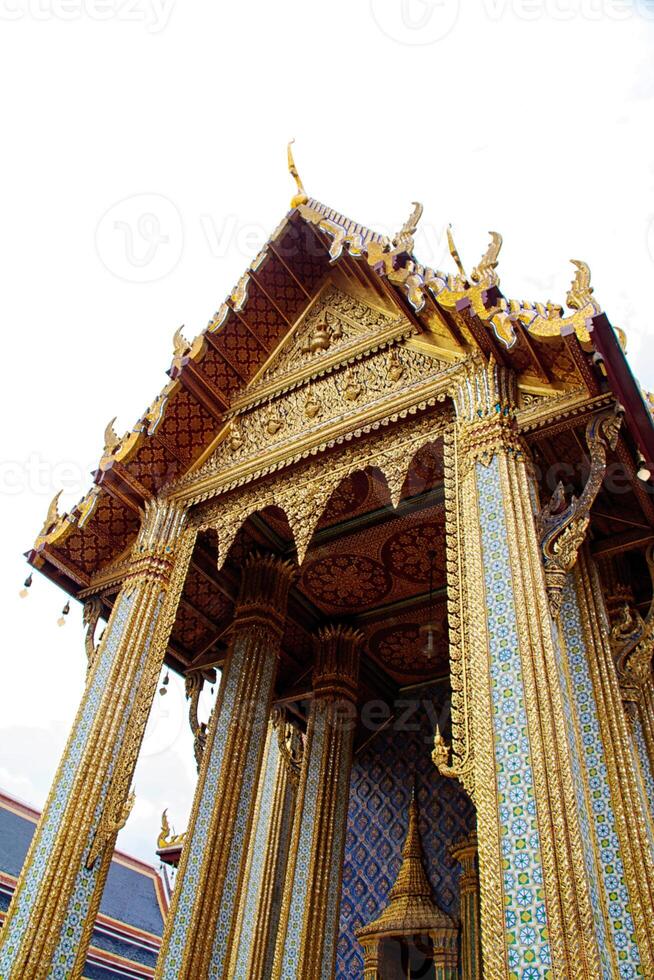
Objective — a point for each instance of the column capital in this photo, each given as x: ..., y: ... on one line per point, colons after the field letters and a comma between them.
x: 154, y: 551
x: 465, y: 851
x: 336, y: 670
x: 484, y: 395
x: 263, y: 594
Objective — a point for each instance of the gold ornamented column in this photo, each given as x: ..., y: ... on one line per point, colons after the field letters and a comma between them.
x: 618, y: 792
x: 261, y: 899
x: 510, y: 746
x: 50, y: 920
x: 306, y: 946
x: 465, y: 852
x: 201, y: 927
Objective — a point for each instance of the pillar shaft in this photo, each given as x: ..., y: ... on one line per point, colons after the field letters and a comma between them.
x: 617, y: 788
x: 508, y: 722
x: 260, y: 905
x: 50, y: 920
x: 465, y: 852
x: 201, y: 927
x: 306, y: 946
x: 643, y: 735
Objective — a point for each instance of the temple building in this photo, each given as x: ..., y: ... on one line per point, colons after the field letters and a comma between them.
x: 408, y: 523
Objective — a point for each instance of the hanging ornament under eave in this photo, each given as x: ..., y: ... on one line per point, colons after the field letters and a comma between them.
x: 64, y: 612
x: 429, y: 629
x: 164, y: 685
x: 27, y: 585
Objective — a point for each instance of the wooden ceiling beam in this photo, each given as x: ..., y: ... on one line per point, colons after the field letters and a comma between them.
x: 288, y: 269
x: 279, y: 311
x: 533, y: 355
x: 213, y: 338
x: 628, y: 541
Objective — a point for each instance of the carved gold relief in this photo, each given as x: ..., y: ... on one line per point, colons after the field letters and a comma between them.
x: 304, y: 497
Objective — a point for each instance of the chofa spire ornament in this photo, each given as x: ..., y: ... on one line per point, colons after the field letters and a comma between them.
x: 111, y: 438
x: 52, y: 517
x: 454, y: 252
x: 484, y: 273
x: 301, y: 196
x: 404, y: 238
x: 580, y: 292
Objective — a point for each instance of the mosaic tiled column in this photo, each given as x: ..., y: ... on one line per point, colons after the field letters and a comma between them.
x: 50, y: 920
x: 621, y: 830
x: 642, y: 727
x: 270, y: 836
x: 637, y: 687
x: 510, y: 745
x: 465, y: 852
x: 201, y: 927
x: 306, y: 947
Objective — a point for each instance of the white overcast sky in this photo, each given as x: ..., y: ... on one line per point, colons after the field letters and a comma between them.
x: 143, y: 165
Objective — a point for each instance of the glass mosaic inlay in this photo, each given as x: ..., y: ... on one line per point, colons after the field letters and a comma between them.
x: 528, y: 948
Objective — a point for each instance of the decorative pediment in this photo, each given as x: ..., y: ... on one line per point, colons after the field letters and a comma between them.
x: 337, y: 328
x: 350, y: 398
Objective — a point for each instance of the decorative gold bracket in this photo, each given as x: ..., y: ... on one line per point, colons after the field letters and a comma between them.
x: 90, y: 617
x: 110, y: 824
x: 562, y: 529
x: 632, y: 641
x: 440, y: 756
x: 290, y: 742
x: 194, y: 685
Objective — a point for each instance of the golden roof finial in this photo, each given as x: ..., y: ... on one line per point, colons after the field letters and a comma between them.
x: 485, y: 271
x: 301, y: 196
x: 180, y: 343
x: 581, y: 291
x: 404, y: 237
x: 53, y: 513
x: 453, y: 252
x: 111, y: 439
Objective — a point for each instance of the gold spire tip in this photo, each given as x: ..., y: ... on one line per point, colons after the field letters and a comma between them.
x: 301, y: 196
